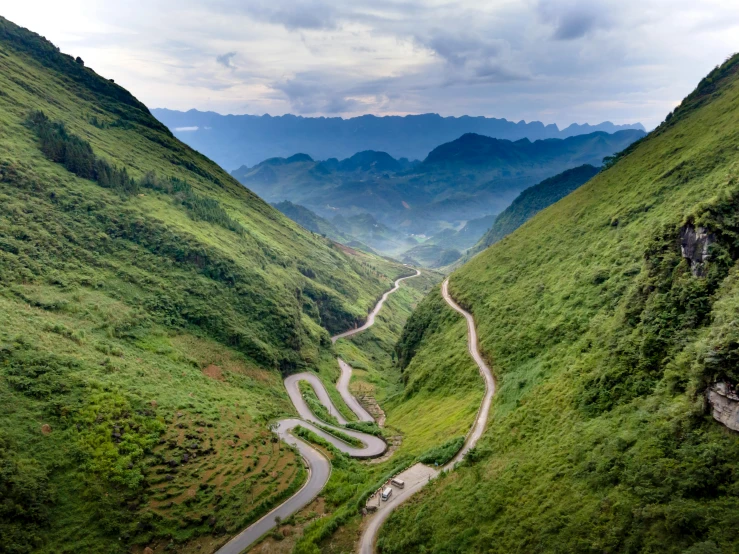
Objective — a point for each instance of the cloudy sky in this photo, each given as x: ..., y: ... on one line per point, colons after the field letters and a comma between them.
x: 558, y: 61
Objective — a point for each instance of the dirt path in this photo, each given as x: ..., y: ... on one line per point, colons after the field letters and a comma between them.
x: 418, y: 475
x: 319, y: 468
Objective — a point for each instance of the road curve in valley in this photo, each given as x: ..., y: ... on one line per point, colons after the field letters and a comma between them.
x: 417, y: 476
x: 319, y: 468
x: 371, y: 317
x: 474, y: 349
x: 342, y: 385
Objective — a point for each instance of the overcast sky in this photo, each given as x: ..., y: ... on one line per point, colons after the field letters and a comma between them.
x: 557, y: 61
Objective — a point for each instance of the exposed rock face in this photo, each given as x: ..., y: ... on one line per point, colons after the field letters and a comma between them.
x: 694, y: 246
x: 724, y: 403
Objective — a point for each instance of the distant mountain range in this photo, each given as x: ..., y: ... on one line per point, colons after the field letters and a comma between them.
x: 236, y: 140
x: 468, y: 178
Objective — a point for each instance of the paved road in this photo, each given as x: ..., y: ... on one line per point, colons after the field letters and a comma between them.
x: 293, y: 391
x: 319, y: 470
x: 371, y: 317
x: 418, y: 475
x: 415, y: 477
x: 472, y: 346
x: 318, y: 466
x: 342, y: 384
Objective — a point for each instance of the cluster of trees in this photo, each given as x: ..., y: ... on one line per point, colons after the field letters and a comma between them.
x: 200, y: 208
x: 76, y: 155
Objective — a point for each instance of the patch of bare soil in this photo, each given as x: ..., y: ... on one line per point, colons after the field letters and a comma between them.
x: 392, y: 445
x: 346, y: 249
x: 214, y: 372
x: 370, y: 404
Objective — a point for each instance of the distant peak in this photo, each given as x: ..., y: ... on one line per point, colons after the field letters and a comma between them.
x: 299, y: 158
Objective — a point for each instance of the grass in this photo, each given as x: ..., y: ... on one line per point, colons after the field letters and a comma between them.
x: 318, y: 409
x: 121, y: 310
x: 603, y: 341
x: 351, y: 441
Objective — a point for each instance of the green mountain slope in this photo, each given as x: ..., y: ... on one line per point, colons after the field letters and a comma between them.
x: 148, y: 305
x: 605, y: 324
x: 533, y: 200
x: 465, y: 179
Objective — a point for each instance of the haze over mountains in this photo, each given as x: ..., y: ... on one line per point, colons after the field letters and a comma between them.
x: 471, y: 177
x: 236, y: 140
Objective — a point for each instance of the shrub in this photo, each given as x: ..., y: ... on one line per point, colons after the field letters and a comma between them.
x: 442, y: 454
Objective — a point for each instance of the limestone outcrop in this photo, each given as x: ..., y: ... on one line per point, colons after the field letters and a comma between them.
x: 724, y: 403
x: 694, y: 246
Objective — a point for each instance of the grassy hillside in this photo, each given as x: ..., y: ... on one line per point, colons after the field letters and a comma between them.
x: 149, y: 305
x: 604, y: 338
x: 533, y: 200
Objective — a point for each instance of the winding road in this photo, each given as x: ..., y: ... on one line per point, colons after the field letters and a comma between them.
x: 319, y: 468
x: 418, y: 475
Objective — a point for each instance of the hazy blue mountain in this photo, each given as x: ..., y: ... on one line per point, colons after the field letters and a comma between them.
x: 464, y: 238
x: 314, y: 222
x: 236, y: 140
x: 311, y: 221
x: 466, y: 179
x: 364, y: 228
x: 431, y: 255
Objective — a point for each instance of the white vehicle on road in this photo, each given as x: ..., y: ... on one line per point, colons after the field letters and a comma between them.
x: 397, y: 482
x: 387, y: 492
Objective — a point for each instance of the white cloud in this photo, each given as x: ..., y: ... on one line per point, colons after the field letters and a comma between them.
x: 556, y: 60
x: 186, y: 129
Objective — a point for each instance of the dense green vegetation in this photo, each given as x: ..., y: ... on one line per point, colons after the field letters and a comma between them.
x: 318, y: 409
x: 149, y: 307
x: 533, y: 200
x: 439, y: 455
x: 604, y: 334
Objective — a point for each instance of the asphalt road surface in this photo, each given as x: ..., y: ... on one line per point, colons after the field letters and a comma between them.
x: 319, y: 468
x: 418, y: 475
x: 371, y: 317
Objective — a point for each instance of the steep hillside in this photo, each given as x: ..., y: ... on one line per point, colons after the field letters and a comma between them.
x: 605, y: 318
x: 235, y: 140
x: 533, y: 200
x: 468, y: 178
x: 148, y: 305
